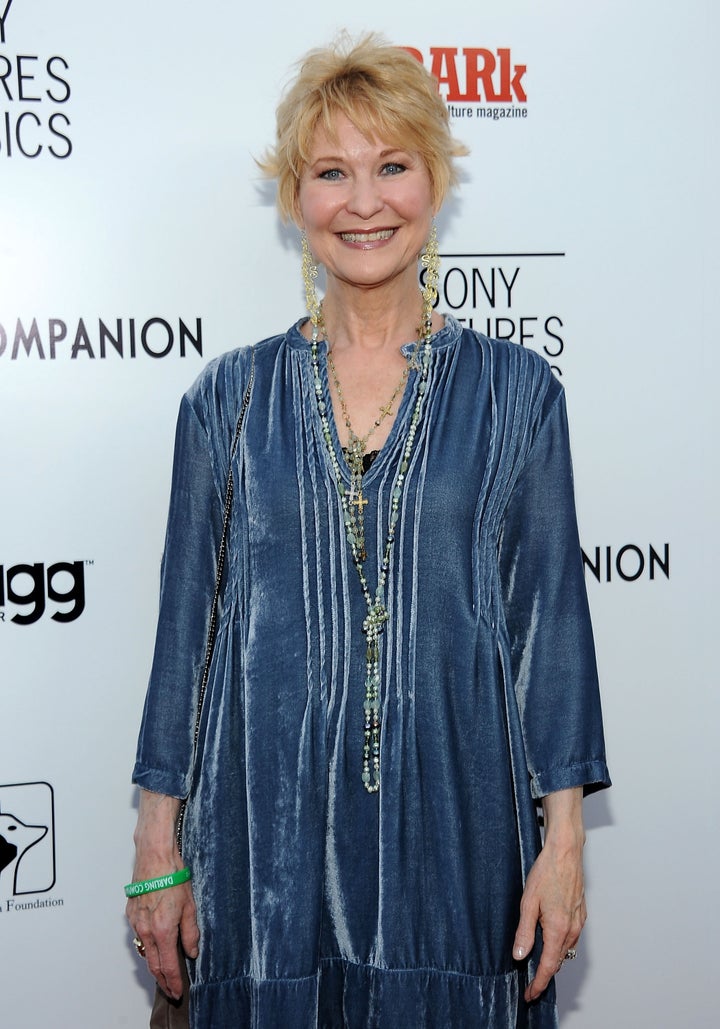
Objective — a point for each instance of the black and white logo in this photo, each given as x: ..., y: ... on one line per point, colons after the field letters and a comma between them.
x: 27, y: 840
x: 627, y: 563
x: 34, y: 94
x: 29, y: 590
x: 505, y: 296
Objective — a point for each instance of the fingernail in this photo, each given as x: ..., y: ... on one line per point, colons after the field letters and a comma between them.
x: 519, y: 953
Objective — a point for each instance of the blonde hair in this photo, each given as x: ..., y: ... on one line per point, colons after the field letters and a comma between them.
x: 385, y: 92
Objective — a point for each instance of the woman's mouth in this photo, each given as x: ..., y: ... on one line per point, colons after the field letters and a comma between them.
x: 366, y: 237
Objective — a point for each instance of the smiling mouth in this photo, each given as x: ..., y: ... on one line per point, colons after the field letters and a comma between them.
x: 366, y: 237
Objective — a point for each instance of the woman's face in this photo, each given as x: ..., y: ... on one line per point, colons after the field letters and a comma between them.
x: 366, y: 207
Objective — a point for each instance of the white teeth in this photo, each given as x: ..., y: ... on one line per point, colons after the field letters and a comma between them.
x: 366, y: 237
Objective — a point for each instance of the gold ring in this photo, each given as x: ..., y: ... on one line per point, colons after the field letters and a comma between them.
x: 139, y: 946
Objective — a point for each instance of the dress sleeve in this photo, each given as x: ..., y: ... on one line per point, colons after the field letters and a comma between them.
x: 165, y: 745
x: 547, y: 619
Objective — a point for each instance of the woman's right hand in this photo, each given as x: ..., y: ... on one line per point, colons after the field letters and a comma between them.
x: 158, y: 917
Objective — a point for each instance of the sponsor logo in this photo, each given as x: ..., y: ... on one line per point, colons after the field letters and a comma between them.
x: 34, y: 90
x: 55, y: 338
x: 476, y: 82
x: 627, y: 563
x: 505, y: 296
x: 27, y: 846
x: 32, y: 590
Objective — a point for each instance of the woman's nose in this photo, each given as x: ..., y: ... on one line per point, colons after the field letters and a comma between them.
x: 365, y: 198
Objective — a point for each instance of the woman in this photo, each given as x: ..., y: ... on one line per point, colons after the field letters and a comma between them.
x: 404, y: 663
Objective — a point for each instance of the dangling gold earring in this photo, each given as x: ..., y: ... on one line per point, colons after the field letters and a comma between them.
x: 430, y: 260
x: 309, y: 274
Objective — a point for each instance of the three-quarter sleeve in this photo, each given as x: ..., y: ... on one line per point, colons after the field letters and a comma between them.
x: 165, y: 745
x: 547, y: 620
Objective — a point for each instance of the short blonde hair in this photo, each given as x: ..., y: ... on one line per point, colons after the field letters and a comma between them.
x: 385, y: 92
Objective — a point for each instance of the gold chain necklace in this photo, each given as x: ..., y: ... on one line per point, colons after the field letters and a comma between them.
x: 357, y: 445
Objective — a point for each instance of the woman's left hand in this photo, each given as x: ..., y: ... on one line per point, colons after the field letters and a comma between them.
x: 554, y: 894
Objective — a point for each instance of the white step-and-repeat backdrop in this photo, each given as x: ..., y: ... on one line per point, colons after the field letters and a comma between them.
x: 137, y: 242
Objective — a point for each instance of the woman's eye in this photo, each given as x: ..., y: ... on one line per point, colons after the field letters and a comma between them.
x: 393, y: 168
x: 331, y: 174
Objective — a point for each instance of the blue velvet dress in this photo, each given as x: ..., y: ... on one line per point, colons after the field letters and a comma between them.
x: 321, y: 905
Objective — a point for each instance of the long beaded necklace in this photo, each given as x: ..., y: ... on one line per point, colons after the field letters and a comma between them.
x: 357, y: 445
x: 377, y: 614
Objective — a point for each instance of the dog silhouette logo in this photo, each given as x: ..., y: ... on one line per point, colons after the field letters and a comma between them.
x: 16, y: 839
x: 27, y: 838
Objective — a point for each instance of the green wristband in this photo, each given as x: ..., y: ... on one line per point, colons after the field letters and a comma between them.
x: 161, y: 883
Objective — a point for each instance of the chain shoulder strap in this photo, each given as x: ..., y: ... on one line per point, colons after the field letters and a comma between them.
x: 222, y: 549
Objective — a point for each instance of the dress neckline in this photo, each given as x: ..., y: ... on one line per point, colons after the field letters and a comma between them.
x: 439, y: 340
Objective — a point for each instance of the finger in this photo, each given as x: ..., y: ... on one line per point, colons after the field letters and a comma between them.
x: 545, y: 971
x: 189, y: 932
x: 555, y: 950
x: 525, y: 934
x: 163, y: 961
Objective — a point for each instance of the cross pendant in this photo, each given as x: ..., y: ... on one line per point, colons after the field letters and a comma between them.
x: 360, y: 502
